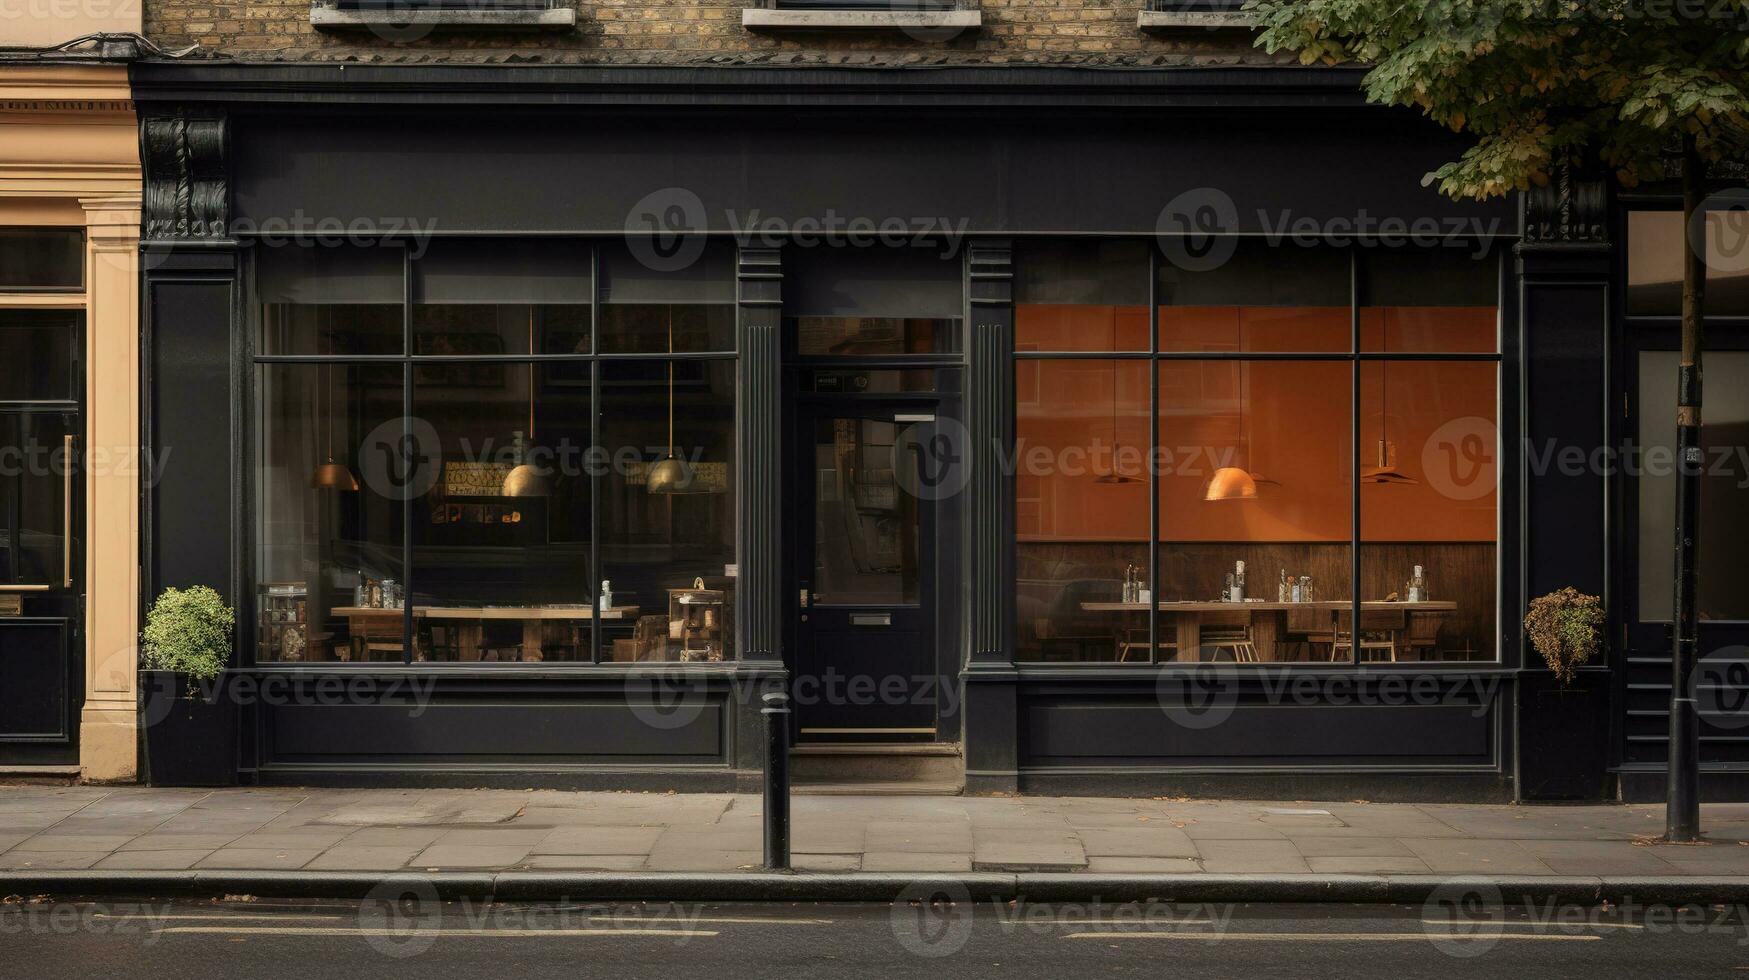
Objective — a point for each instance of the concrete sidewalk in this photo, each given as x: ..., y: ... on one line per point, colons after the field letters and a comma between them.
x: 287, y: 830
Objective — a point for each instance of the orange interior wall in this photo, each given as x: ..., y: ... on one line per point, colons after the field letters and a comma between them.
x: 1294, y: 429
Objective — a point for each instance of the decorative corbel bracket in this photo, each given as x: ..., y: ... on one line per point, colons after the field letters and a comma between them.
x: 186, y: 198
x: 1568, y: 210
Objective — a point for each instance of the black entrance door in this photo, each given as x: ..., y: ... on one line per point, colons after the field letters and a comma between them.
x: 865, y: 540
x: 1648, y: 549
x: 41, y: 675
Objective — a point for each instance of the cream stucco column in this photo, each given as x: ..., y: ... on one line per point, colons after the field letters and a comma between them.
x: 108, y: 724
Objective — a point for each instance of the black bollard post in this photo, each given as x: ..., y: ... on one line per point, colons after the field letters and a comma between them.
x: 776, y: 712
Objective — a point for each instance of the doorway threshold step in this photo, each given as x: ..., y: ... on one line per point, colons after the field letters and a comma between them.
x: 901, y: 788
x: 876, y: 748
x: 937, y: 766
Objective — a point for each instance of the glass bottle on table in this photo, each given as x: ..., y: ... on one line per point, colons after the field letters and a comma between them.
x: 1418, y: 585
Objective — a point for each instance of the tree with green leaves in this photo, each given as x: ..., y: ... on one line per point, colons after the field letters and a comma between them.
x: 1633, y: 88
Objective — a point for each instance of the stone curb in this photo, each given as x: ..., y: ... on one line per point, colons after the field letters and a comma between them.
x: 887, y: 887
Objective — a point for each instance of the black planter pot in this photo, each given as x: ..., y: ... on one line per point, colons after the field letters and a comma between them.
x: 190, y: 730
x: 1563, y: 737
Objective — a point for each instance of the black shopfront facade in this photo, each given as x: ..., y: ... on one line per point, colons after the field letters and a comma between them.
x: 538, y: 420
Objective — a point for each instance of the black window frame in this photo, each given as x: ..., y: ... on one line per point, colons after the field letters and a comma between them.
x: 252, y: 360
x: 1356, y: 356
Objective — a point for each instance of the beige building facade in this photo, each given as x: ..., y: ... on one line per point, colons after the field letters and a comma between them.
x: 69, y: 179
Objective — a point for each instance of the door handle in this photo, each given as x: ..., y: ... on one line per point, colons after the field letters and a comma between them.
x: 871, y: 619
x: 67, y: 512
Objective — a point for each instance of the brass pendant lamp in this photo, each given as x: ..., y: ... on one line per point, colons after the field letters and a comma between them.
x: 526, y: 479
x: 331, y: 475
x: 1115, y: 478
x: 671, y: 474
x: 1385, y: 471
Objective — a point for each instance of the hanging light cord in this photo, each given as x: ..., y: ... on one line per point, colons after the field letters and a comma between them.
x: 530, y: 379
x: 670, y: 379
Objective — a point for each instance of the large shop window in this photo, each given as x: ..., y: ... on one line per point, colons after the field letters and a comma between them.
x: 1188, y: 483
x: 449, y: 470
x: 1722, y: 589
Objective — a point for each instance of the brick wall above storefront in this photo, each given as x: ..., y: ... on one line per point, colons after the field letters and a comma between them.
x: 678, y: 32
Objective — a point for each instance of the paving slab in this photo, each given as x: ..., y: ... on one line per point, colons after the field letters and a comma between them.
x: 506, y: 836
x: 1200, y: 830
x: 599, y: 840
x: 1143, y: 865
x: 1575, y: 857
x: 999, y: 854
x: 414, y: 837
x: 178, y: 842
x: 826, y: 862
x: 303, y: 839
x: 706, y: 859
x: 381, y: 857
x: 916, y: 861
x: 51, y: 860
x: 1368, y: 865
x: 444, y: 856
x: 586, y: 862
x: 1716, y: 858
x: 916, y: 836
x: 1484, y: 857
x: 1251, y: 857
x: 261, y: 858
x: 166, y: 860
x: 55, y: 841
x: 1159, y: 842
x: 1318, y: 847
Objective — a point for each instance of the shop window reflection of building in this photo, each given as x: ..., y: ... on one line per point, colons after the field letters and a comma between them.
x: 497, y: 568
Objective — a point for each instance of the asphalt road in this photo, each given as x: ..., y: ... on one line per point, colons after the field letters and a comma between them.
x: 246, y: 939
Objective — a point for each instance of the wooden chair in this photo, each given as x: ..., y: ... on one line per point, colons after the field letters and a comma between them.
x: 1135, y: 638
x: 1378, y: 635
x: 1229, y: 631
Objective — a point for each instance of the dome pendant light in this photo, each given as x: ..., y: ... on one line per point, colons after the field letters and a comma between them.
x: 1237, y: 482
x: 331, y: 475
x: 526, y: 479
x: 671, y: 474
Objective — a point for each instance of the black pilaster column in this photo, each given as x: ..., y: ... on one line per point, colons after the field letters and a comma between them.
x: 193, y: 357
x: 1559, y: 523
x: 991, y: 722
x: 759, y: 492
x: 193, y: 360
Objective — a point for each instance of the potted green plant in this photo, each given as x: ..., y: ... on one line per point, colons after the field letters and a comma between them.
x: 188, y: 721
x: 1564, y: 710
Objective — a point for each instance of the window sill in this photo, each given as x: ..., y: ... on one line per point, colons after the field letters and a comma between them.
x: 326, y: 17
x: 759, y: 18
x: 1195, y: 20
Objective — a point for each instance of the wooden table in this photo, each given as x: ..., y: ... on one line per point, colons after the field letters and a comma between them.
x: 1267, y: 629
x: 364, y: 620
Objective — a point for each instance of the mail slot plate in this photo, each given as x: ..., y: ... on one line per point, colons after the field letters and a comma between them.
x: 871, y: 619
